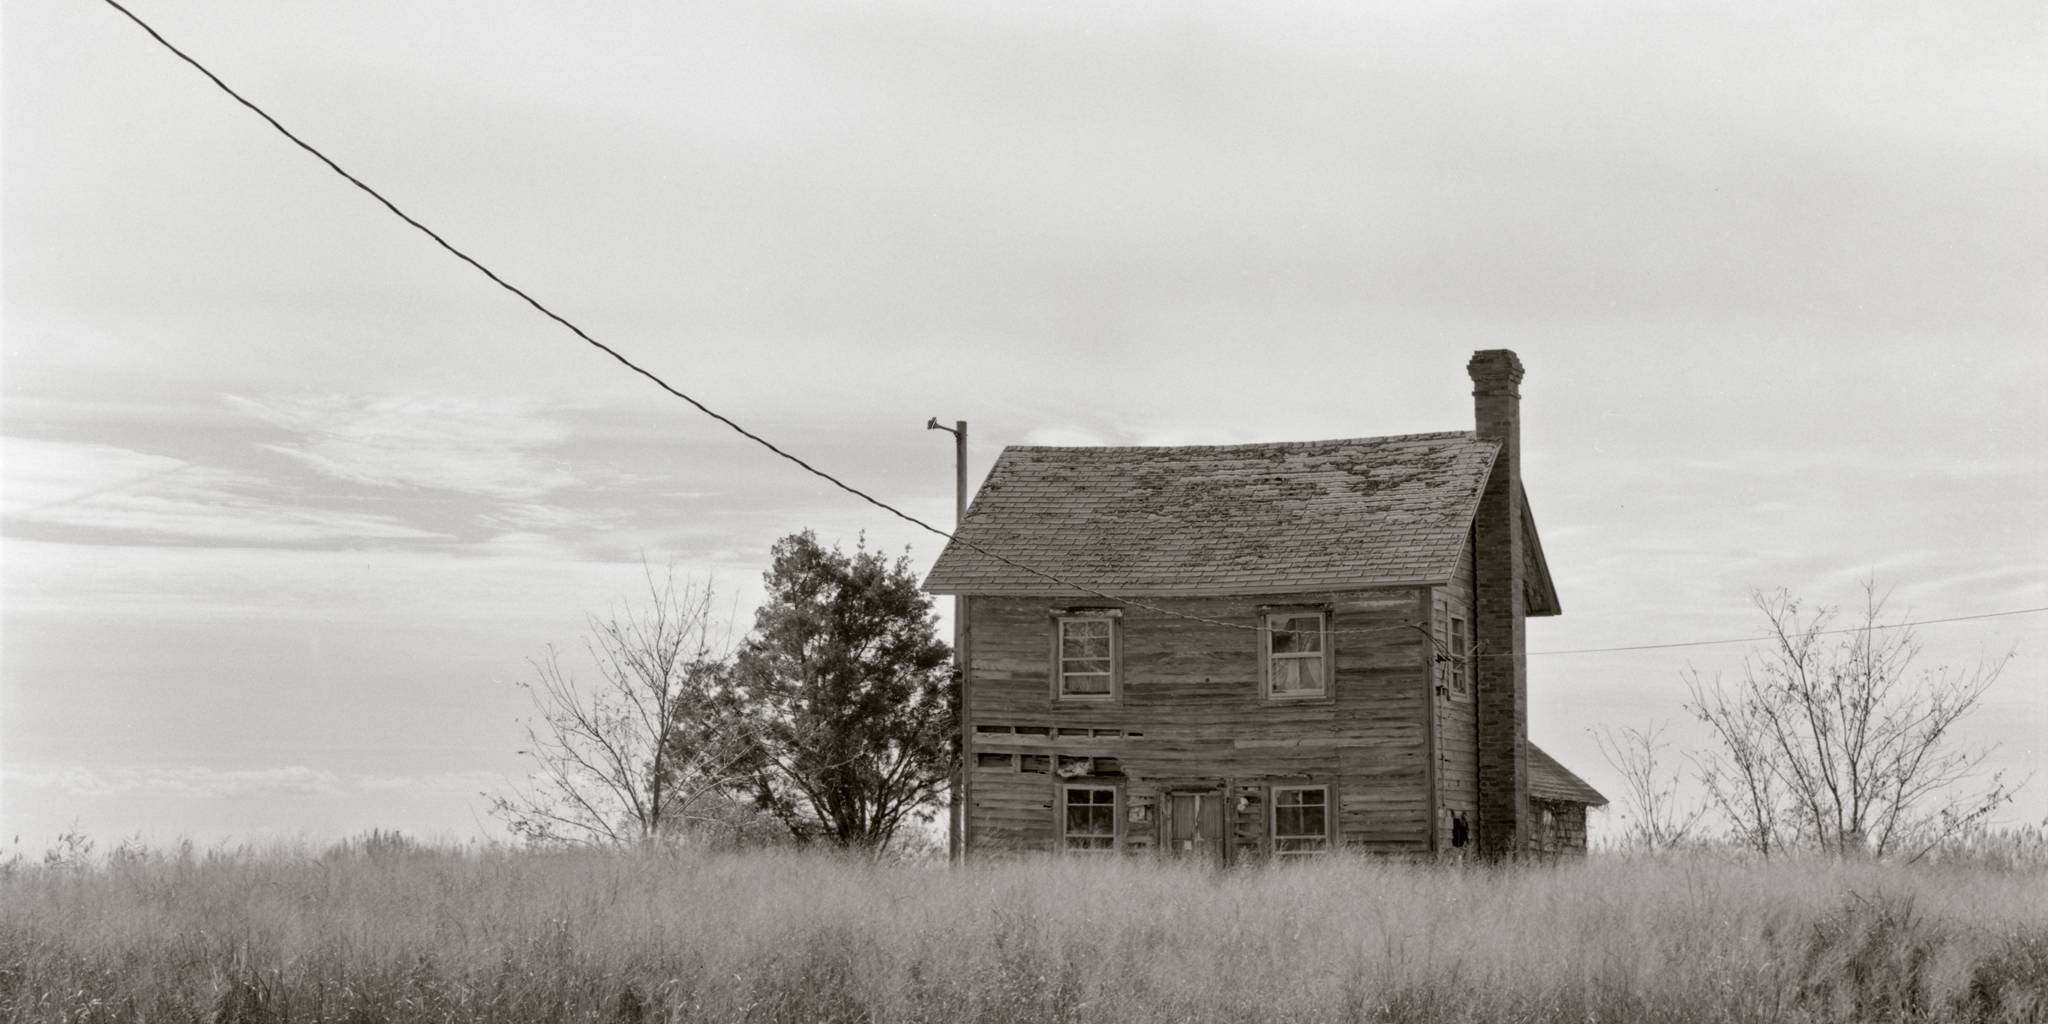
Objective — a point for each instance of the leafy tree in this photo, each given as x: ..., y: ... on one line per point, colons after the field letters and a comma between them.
x: 844, y: 683
x: 1834, y: 739
x: 634, y: 754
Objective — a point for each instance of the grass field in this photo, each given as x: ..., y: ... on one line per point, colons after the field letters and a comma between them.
x: 390, y: 932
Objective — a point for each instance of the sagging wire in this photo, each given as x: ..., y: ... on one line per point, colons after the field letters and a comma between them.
x: 637, y: 368
x: 856, y: 492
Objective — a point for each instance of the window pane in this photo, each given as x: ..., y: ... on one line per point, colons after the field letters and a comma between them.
x: 1308, y: 632
x: 1298, y: 674
x: 1090, y: 819
x: 1286, y: 675
x: 1084, y: 638
x: 1311, y: 673
x: 1092, y: 665
x: 1287, y: 821
x: 1298, y: 634
x: 1084, y: 683
x: 1284, y: 641
x: 1300, y: 819
x: 1085, y: 647
x: 1087, y: 821
x: 1458, y: 656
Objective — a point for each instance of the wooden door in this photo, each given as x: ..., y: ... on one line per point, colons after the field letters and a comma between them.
x: 1195, y: 826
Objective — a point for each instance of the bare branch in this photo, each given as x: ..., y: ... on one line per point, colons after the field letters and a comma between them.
x: 1656, y: 818
x: 624, y: 755
x: 1841, y: 744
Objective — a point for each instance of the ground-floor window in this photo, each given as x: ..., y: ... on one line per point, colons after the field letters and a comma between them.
x: 1301, y: 820
x: 1088, y: 818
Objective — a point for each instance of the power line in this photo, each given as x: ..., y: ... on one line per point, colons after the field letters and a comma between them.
x: 829, y: 478
x: 1756, y: 639
x: 642, y: 371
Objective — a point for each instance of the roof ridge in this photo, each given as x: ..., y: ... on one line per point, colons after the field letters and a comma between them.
x: 1431, y: 436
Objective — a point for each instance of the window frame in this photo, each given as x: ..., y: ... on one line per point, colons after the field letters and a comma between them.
x: 1329, y: 660
x: 1273, y: 836
x: 1057, y: 676
x: 1116, y: 819
x: 1458, y: 675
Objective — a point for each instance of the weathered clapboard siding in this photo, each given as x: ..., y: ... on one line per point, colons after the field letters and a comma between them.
x: 1457, y: 745
x: 1192, y: 718
x: 1011, y: 811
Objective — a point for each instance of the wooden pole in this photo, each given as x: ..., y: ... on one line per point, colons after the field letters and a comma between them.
x: 956, y: 797
x: 959, y: 801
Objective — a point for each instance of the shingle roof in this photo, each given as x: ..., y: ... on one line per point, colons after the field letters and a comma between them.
x: 1549, y: 780
x: 1295, y: 516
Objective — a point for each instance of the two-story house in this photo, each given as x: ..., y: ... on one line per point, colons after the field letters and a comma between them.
x: 1261, y: 649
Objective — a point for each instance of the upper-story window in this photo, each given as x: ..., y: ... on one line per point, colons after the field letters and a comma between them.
x: 1085, y: 657
x: 1296, y: 660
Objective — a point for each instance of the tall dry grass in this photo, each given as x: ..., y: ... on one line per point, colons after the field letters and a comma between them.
x: 386, y: 931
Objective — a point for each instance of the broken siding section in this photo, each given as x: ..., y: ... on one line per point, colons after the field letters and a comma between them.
x: 1560, y: 828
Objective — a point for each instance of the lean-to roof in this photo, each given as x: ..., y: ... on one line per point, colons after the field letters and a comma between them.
x: 1549, y: 780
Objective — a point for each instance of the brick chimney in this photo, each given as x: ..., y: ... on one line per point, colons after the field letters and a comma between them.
x: 1500, y: 673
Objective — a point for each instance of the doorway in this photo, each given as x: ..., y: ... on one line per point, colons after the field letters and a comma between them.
x: 1194, y: 825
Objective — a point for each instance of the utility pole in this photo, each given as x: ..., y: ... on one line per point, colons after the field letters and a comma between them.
x: 956, y: 799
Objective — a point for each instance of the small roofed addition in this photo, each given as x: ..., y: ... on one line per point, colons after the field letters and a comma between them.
x: 1560, y: 800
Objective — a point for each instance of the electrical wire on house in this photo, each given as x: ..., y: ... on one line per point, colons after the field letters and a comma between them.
x: 835, y: 481
x: 1757, y: 639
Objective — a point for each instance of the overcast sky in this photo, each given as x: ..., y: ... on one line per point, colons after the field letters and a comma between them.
x: 291, y: 495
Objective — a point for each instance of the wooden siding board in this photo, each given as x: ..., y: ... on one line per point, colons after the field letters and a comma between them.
x: 1191, y: 694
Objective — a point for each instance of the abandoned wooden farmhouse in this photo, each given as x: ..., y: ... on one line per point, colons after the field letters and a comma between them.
x: 1260, y: 650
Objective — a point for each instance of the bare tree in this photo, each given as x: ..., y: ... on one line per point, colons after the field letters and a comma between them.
x: 1833, y: 739
x: 628, y: 757
x: 1742, y: 777
x: 1655, y: 816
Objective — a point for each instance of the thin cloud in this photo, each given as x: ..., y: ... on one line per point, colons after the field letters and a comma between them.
x: 491, y: 449
x: 215, y: 784
x: 118, y: 490
x: 522, y: 516
x: 200, y: 783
